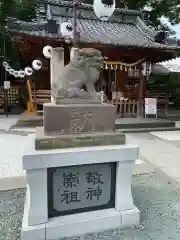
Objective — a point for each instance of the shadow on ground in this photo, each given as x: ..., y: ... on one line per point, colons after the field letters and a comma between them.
x: 157, y: 199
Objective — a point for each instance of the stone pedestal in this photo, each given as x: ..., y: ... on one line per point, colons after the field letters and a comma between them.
x: 43, y: 141
x: 76, y: 124
x: 111, y: 207
x: 79, y: 174
x: 77, y: 118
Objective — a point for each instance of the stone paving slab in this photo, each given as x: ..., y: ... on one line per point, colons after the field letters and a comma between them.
x: 12, y: 149
x: 7, y: 122
x: 168, y: 135
x: 176, y: 143
x: 157, y: 199
x: 27, y: 130
x: 162, y: 154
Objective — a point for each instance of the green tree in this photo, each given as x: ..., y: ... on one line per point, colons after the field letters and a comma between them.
x: 26, y: 9
x: 21, y: 9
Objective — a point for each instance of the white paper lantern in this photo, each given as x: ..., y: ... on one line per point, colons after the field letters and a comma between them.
x: 146, y: 68
x: 11, y: 71
x: 47, y: 51
x: 28, y: 71
x: 104, y: 9
x: 7, y: 68
x: 66, y: 29
x: 143, y: 68
x: 37, y: 64
x: 16, y: 74
x: 5, y: 64
x: 68, y: 40
x: 22, y: 74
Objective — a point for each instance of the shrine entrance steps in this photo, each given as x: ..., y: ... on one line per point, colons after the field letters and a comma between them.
x: 122, y: 124
x: 127, y: 125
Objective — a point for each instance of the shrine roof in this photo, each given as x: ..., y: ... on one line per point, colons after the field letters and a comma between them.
x: 125, y: 28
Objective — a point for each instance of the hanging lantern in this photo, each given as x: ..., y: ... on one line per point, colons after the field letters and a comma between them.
x: 7, y: 68
x: 22, y: 74
x: 11, y: 71
x: 66, y: 29
x: 16, y: 74
x: 37, y: 64
x: 146, y: 68
x: 68, y: 40
x: 28, y: 71
x: 5, y: 64
x: 104, y: 9
x: 47, y: 51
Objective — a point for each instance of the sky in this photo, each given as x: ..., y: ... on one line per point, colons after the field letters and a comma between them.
x: 177, y: 29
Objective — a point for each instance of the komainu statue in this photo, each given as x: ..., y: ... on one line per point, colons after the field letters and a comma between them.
x: 79, y: 76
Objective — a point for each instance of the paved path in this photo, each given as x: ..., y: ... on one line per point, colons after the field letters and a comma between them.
x: 12, y: 148
x: 161, y: 149
x: 7, y: 122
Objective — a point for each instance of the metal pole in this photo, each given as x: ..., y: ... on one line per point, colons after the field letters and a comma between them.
x: 5, y: 90
x: 74, y: 22
x: 2, y: 69
x: 141, y: 101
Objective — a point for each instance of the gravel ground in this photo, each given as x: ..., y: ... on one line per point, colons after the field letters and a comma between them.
x: 157, y: 199
x: 11, y: 211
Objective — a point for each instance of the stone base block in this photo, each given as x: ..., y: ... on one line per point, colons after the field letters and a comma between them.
x: 80, y: 224
x: 76, y: 118
x: 77, y: 101
x: 40, y: 222
x: 28, y: 232
x: 43, y: 141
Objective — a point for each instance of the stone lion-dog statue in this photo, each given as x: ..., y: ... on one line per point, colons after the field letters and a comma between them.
x: 82, y: 71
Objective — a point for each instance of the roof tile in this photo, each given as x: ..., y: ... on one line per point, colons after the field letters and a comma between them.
x: 114, y: 32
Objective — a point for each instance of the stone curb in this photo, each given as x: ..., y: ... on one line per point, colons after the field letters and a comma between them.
x: 12, y: 182
x: 162, y: 173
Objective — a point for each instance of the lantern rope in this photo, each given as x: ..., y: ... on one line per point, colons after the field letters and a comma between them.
x: 36, y: 65
x: 120, y: 63
x: 125, y: 64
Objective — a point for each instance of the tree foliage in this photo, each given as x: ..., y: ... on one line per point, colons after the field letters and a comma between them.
x: 21, y: 9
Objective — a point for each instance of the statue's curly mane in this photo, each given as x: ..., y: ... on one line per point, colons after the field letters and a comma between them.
x: 87, y: 57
